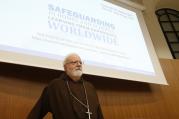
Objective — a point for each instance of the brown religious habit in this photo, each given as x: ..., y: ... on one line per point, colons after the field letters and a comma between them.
x: 67, y: 99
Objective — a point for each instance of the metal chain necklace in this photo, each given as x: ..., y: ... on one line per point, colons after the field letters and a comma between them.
x: 79, y: 101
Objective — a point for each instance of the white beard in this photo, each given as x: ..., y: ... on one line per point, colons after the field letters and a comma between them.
x: 77, y: 73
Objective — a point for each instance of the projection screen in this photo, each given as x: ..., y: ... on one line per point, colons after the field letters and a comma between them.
x: 112, y: 39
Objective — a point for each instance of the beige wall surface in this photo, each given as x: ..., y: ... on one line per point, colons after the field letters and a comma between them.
x: 173, y: 4
x: 155, y: 31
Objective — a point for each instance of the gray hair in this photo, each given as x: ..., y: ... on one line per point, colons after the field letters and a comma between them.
x: 65, y: 61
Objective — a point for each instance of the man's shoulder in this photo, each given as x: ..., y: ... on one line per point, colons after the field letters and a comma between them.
x: 57, y: 81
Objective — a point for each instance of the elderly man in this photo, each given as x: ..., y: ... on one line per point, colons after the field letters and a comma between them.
x: 69, y: 96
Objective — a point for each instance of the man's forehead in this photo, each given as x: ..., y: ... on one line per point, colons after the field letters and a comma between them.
x: 73, y: 57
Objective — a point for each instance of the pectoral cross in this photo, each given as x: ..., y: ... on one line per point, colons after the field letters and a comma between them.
x: 89, y: 114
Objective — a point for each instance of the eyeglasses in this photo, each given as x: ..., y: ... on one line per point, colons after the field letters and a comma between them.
x: 75, y: 62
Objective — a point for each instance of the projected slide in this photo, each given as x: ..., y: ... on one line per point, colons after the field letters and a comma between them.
x: 105, y: 35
